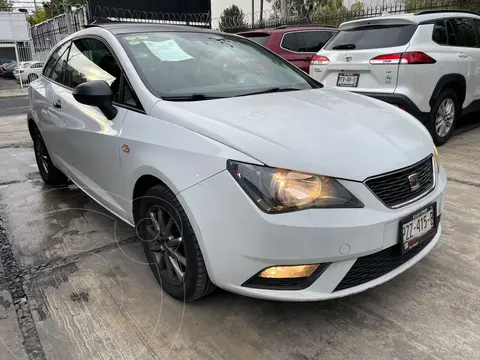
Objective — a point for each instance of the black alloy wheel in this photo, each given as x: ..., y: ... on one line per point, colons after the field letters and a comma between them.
x: 170, y: 245
x: 164, y: 241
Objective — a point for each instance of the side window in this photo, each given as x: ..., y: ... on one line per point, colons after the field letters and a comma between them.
x: 58, y: 72
x: 313, y: 41
x: 476, y: 23
x: 290, y: 42
x: 53, y: 59
x: 439, y: 34
x: 465, y: 35
x: 90, y: 59
x: 451, y: 36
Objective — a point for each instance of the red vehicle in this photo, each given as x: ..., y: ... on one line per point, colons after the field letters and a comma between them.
x: 297, y: 44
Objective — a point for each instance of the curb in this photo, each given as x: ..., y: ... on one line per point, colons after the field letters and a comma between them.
x: 13, y: 92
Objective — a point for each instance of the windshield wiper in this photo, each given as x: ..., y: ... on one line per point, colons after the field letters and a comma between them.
x: 191, y: 97
x: 270, y: 90
x: 344, y: 46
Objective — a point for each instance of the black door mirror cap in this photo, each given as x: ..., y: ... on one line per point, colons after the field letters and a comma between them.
x: 96, y: 93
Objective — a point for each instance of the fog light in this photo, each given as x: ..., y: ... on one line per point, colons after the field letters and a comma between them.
x: 289, y: 272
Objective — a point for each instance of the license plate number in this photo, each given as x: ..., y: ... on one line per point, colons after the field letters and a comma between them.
x: 347, y: 80
x: 416, y: 228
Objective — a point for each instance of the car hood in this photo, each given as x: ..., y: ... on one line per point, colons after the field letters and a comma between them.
x: 323, y: 131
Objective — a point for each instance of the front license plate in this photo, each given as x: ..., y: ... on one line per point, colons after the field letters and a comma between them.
x: 347, y: 80
x: 416, y: 228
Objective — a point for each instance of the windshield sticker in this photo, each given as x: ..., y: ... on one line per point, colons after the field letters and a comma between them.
x: 143, y: 37
x: 134, y: 42
x: 130, y: 38
x: 167, y: 50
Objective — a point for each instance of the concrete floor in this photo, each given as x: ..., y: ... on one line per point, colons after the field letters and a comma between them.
x: 91, y: 296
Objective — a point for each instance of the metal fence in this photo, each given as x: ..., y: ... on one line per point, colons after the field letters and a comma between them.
x: 67, y: 19
x: 325, y: 15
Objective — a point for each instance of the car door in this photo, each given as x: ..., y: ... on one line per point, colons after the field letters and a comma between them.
x: 462, y: 36
x: 42, y: 100
x: 300, y: 46
x: 87, y: 141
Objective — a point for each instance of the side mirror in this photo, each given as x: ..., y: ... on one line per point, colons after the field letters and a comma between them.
x: 96, y: 93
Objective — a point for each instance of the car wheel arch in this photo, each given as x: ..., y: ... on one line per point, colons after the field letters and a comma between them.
x: 32, y: 127
x: 456, y: 82
x: 147, y: 181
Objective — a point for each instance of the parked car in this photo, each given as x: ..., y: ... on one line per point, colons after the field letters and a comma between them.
x: 28, y: 72
x: 419, y: 62
x: 7, y: 69
x: 297, y: 44
x: 236, y: 168
x: 6, y: 61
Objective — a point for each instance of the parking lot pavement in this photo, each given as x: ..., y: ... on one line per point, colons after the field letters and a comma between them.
x: 81, y: 278
x: 13, y: 131
x: 10, y: 335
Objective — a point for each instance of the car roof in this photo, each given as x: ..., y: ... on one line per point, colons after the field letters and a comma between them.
x: 412, y: 18
x: 119, y: 27
x: 288, y: 28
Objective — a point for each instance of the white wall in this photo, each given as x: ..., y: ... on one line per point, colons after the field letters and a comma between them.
x: 13, y: 26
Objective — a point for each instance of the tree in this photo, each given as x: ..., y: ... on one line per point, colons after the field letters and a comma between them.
x: 56, y: 7
x: 232, y: 18
x: 38, y: 16
x: 417, y: 5
x: 291, y: 4
x: 6, y: 5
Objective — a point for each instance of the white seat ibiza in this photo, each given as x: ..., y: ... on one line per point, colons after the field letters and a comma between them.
x: 237, y: 169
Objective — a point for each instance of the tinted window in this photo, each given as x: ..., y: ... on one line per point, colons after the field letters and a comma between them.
x: 313, y: 41
x: 439, y: 34
x: 372, y: 37
x: 90, y: 59
x: 128, y: 96
x: 452, y: 38
x: 185, y: 63
x: 58, y: 73
x: 290, y: 41
x: 53, y: 59
x: 464, y: 33
x: 476, y: 23
x: 260, y: 39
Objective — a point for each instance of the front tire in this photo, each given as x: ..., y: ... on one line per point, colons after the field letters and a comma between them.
x: 171, y: 246
x: 443, y: 116
x: 49, y: 173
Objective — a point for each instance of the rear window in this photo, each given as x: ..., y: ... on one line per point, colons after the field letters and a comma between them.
x: 372, y: 37
x: 258, y: 38
x: 306, y: 41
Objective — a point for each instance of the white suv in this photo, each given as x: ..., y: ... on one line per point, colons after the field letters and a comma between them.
x: 425, y: 63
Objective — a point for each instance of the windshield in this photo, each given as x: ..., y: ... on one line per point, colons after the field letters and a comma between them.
x: 182, y: 64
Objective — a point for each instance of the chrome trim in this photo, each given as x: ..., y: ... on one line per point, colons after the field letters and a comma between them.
x: 421, y: 196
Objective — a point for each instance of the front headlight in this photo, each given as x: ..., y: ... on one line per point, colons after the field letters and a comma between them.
x: 437, y: 158
x: 278, y: 190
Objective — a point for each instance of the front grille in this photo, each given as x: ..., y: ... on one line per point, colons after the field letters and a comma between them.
x: 394, y: 189
x: 371, y: 267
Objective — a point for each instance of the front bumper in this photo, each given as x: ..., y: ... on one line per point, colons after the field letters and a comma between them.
x: 402, y: 101
x: 238, y: 240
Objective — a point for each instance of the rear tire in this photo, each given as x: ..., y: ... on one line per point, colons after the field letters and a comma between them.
x: 171, y: 246
x: 443, y: 116
x: 49, y: 173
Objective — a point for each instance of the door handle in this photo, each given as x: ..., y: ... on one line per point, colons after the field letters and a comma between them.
x: 57, y: 104
x: 462, y: 55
